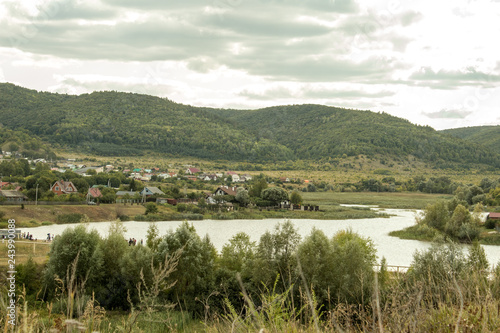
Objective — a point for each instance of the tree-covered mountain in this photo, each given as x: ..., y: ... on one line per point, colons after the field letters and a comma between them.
x: 488, y: 136
x: 318, y: 132
x: 114, y: 123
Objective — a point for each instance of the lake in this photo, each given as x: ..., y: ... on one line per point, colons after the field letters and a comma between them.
x: 398, y: 252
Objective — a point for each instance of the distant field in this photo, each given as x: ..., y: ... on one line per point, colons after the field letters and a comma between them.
x: 386, y: 199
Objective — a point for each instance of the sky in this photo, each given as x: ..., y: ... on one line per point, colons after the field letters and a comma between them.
x: 435, y: 63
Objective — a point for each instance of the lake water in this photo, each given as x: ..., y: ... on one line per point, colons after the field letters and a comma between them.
x: 398, y: 252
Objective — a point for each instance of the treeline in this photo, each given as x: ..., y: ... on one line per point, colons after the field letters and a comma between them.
x: 488, y: 136
x: 281, y: 283
x: 316, y: 131
x: 23, y: 143
x: 113, y: 123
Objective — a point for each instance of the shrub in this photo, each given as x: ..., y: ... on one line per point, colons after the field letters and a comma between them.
x: 490, y: 224
x: 71, y: 218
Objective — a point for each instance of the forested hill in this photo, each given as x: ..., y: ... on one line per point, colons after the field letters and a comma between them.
x: 488, y: 136
x: 113, y: 123
x: 316, y: 132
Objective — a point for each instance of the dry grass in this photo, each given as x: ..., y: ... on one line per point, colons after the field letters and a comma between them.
x: 38, y: 250
x: 32, y: 216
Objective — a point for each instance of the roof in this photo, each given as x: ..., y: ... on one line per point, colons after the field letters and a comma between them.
x: 95, y: 192
x: 2, y: 184
x: 64, y: 186
x: 231, y: 173
x: 494, y: 216
x: 153, y: 189
x: 194, y: 170
x: 228, y: 190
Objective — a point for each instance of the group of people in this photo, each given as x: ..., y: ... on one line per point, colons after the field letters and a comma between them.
x: 133, y: 242
x: 28, y: 236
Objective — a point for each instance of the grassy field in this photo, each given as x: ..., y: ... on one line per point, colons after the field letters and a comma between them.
x: 37, y: 250
x: 384, y: 200
x: 34, y: 216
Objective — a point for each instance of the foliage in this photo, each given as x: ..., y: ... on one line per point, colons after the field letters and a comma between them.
x: 275, y: 195
x: 71, y: 218
x: 295, y: 198
x: 112, y: 123
x: 487, y: 136
x: 151, y: 208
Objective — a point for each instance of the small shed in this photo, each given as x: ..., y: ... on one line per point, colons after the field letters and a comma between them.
x: 494, y: 216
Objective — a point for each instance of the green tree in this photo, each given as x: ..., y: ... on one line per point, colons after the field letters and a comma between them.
x: 153, y: 237
x: 242, y: 196
x: 296, y: 198
x: 259, y: 185
x: 274, y: 195
x: 151, y: 208
x: 195, y: 269
x: 72, y: 244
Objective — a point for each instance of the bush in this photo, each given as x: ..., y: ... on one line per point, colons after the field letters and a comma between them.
x: 71, y: 218
x: 490, y: 224
x: 151, y: 208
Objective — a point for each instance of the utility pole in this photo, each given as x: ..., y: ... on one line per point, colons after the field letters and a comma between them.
x: 36, y: 196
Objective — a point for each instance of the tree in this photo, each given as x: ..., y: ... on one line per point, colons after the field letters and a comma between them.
x: 75, y: 243
x: 151, y: 208
x: 260, y: 184
x: 296, y: 198
x: 195, y: 269
x: 242, y: 196
x: 238, y: 252
x: 274, y: 195
x: 153, y: 237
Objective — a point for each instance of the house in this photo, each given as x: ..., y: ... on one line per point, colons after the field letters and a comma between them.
x: 285, y: 179
x: 4, y: 184
x: 234, y: 176
x: 207, y: 178
x: 193, y: 178
x: 151, y: 190
x: 15, y: 196
x: 225, y: 190
x: 493, y: 216
x: 192, y: 171
x: 94, y: 193
x: 246, y: 177
x: 62, y: 187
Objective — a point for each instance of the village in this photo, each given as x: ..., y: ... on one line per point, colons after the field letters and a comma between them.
x: 78, y: 183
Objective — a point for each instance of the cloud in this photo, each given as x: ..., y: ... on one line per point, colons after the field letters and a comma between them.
x: 448, y: 114
x: 452, y: 79
x: 312, y: 92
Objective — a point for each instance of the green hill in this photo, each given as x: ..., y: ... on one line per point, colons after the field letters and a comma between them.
x: 488, y: 136
x: 319, y: 132
x: 114, y: 123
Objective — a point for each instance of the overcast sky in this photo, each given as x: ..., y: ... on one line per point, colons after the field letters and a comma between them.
x: 433, y: 62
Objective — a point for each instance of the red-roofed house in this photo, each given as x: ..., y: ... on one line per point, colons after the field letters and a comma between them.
x: 494, y: 216
x: 192, y: 171
x: 62, y: 187
x: 226, y: 190
x: 94, y: 192
x: 4, y: 184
